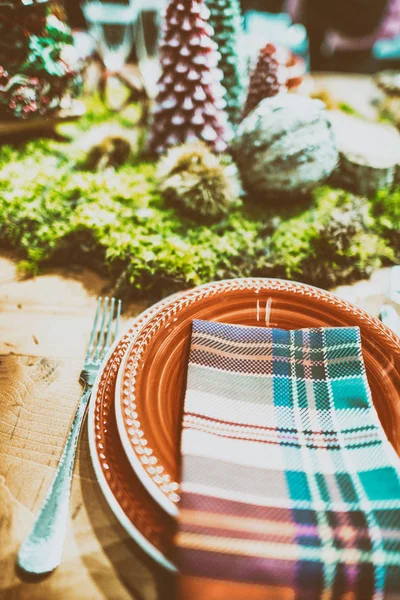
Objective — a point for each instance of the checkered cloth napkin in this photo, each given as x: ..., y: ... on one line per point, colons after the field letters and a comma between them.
x: 290, y: 489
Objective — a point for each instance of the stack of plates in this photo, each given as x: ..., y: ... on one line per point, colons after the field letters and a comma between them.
x: 135, y: 412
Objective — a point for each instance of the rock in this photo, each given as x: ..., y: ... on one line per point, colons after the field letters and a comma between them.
x: 285, y: 146
x: 369, y: 154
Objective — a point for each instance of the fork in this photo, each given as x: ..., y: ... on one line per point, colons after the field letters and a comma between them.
x: 41, y: 550
x: 388, y: 314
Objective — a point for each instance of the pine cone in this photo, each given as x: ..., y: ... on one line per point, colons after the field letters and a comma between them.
x: 226, y: 20
x: 113, y: 151
x: 267, y: 79
x: 198, y: 182
x: 190, y: 103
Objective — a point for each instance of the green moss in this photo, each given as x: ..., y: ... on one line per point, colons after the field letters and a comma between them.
x: 116, y: 221
x: 335, y: 241
x: 386, y: 211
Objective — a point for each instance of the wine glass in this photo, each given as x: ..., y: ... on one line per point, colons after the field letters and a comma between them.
x: 111, y: 25
x: 147, y: 37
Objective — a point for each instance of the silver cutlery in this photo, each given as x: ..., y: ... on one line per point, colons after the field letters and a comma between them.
x: 394, y: 285
x: 42, y: 548
x: 389, y: 317
x: 388, y: 314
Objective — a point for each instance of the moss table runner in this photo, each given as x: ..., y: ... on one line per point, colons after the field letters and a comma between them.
x: 290, y: 488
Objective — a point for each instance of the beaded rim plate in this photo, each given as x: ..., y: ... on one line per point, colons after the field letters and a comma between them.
x: 150, y: 383
x: 134, y: 508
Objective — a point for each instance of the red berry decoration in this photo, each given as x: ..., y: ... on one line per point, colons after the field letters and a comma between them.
x: 22, y: 96
x: 190, y: 101
x: 267, y: 79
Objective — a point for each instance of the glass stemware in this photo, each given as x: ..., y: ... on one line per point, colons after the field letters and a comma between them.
x: 111, y: 25
x: 147, y: 37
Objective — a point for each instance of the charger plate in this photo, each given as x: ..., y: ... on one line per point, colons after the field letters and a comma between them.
x: 134, y: 508
x: 150, y: 385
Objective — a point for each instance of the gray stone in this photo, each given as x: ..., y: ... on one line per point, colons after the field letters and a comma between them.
x: 285, y: 146
x: 369, y: 154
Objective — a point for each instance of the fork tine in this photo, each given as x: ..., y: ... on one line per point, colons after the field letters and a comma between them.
x: 94, y: 329
x: 109, y: 328
x: 100, y: 339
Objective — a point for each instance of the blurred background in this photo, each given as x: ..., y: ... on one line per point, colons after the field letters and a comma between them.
x: 359, y: 36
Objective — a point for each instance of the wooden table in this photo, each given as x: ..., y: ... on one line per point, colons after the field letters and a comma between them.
x: 45, y: 324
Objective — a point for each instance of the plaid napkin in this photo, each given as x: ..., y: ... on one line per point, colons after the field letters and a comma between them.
x: 290, y: 489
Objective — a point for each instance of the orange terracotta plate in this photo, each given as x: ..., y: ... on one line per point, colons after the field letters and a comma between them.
x: 151, y: 380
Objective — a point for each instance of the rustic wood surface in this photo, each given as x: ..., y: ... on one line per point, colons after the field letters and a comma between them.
x: 45, y: 323
x: 40, y: 124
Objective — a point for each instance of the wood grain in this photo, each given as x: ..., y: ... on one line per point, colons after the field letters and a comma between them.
x: 40, y: 124
x: 45, y: 324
